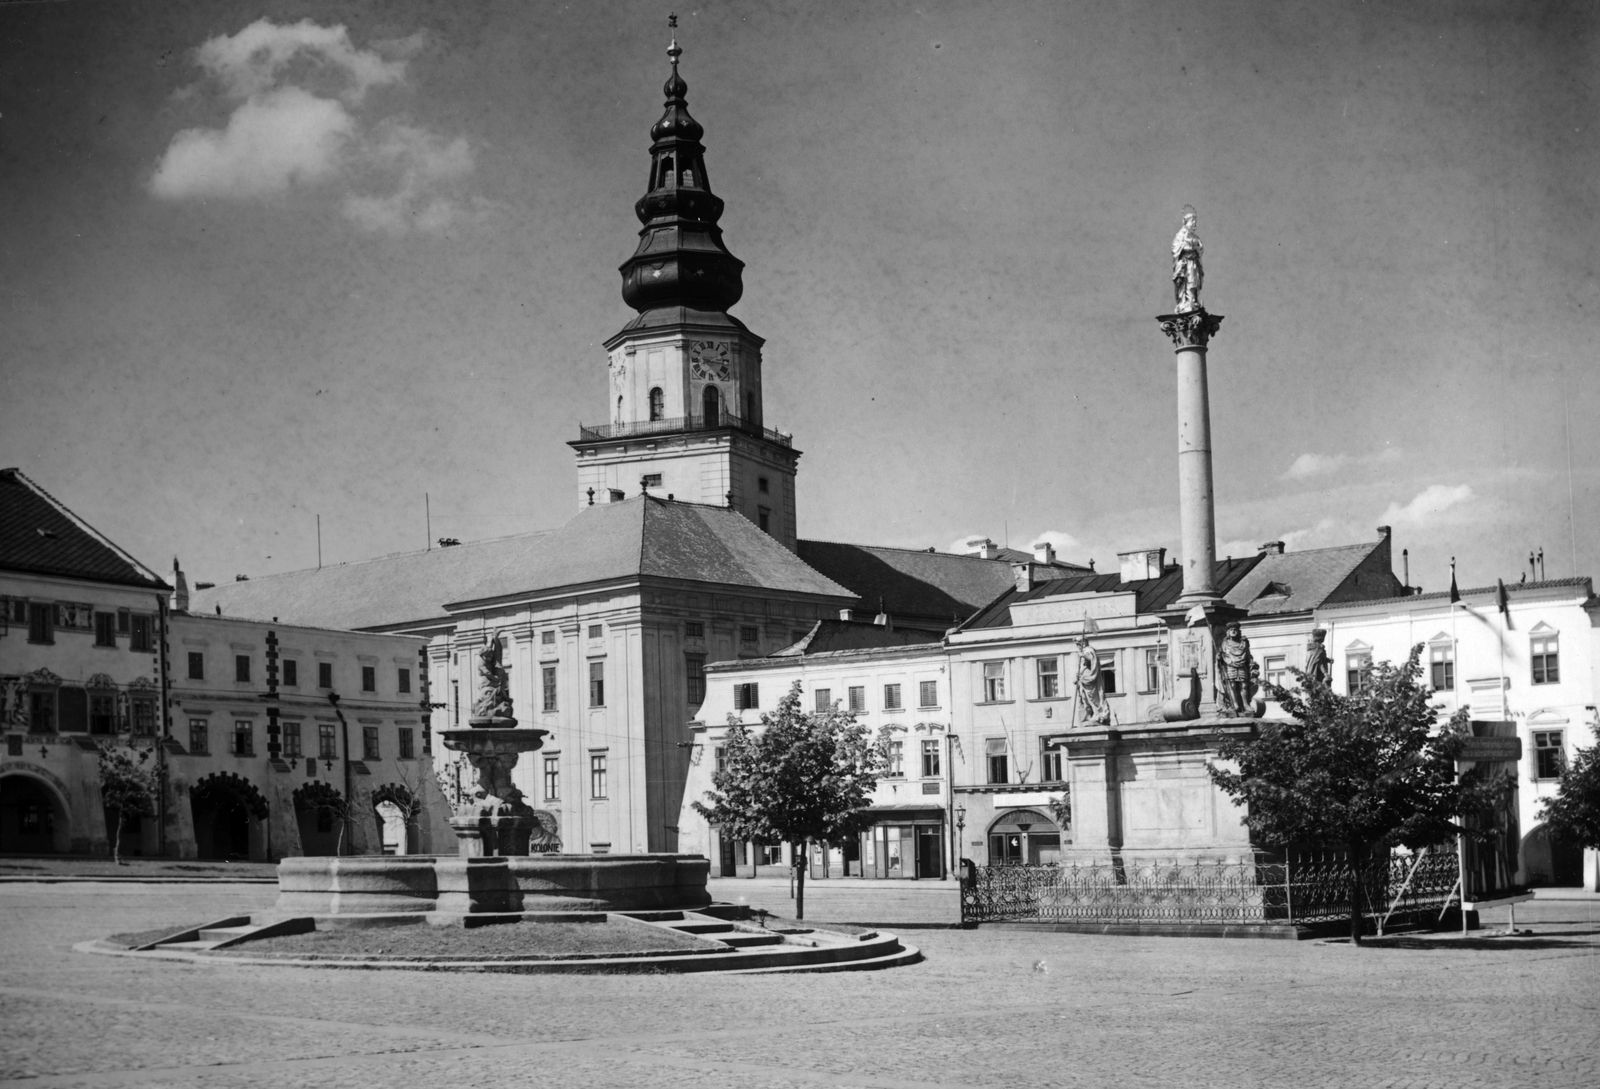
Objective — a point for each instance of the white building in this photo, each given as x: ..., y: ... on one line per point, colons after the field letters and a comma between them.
x: 1530, y: 666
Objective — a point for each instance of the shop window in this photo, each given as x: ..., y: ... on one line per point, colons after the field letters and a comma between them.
x: 1049, y: 672
x: 770, y: 854
x: 1549, y: 753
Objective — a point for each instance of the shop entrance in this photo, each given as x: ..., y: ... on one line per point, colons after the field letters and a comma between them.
x: 1024, y: 837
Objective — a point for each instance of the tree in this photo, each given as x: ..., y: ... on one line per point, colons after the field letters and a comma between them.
x: 800, y: 777
x: 1364, y: 772
x: 130, y: 786
x: 1574, y: 813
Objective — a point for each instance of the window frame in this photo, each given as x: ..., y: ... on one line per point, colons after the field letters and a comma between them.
x: 1108, y: 672
x: 142, y: 633
x: 747, y: 696
x: 327, y: 741
x: 371, y: 743
x: 1047, y: 677
x: 241, y: 669
x: 891, y: 697
x: 197, y: 665
x: 822, y: 700
x: 994, y: 682
x: 1052, y: 758
x: 105, y: 629
x: 1443, y: 655
x: 1544, y: 657
x: 599, y: 777
x: 200, y: 736
x: 932, y: 758
x: 402, y: 680
x: 597, y: 682
x: 290, y: 668
x: 997, y: 761
x: 895, y: 752
x: 924, y: 689
x: 42, y: 623
x: 243, y: 741
x: 1556, y: 751
x: 405, y: 744
x: 694, y: 677
x: 369, y: 678
x: 857, y: 695
x: 1151, y: 678
x: 292, y: 741
x: 551, y: 778
x: 549, y: 693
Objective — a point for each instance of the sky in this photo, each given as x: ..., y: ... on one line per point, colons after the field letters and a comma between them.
x: 265, y: 263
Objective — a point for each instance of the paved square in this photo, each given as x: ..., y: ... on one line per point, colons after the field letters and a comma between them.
x: 1102, y: 1011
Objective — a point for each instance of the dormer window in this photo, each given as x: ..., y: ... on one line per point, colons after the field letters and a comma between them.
x: 658, y: 402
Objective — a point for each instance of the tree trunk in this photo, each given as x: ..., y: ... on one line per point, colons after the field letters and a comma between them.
x: 1357, y: 861
x: 800, y: 881
x: 116, y: 840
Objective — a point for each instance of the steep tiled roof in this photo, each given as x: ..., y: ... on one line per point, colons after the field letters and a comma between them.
x: 404, y: 588
x: 828, y: 636
x: 641, y: 536
x: 39, y: 534
x: 1152, y: 595
x: 1014, y: 555
x: 1311, y: 578
x: 659, y: 539
x: 933, y: 586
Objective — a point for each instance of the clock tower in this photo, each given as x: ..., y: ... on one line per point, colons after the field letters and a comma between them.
x: 684, y: 390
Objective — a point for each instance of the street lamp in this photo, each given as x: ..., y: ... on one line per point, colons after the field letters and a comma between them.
x: 961, y: 824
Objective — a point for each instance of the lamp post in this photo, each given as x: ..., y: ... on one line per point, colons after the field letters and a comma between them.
x: 961, y: 824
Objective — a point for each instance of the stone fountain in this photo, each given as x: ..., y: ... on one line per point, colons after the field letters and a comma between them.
x: 495, y: 821
x: 494, y: 876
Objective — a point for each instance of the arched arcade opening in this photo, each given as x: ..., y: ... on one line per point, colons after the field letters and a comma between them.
x: 230, y: 818
x: 33, y: 817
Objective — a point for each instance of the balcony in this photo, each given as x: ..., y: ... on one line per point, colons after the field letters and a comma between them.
x: 680, y: 425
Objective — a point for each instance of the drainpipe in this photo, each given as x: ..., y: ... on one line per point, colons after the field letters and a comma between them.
x: 166, y: 728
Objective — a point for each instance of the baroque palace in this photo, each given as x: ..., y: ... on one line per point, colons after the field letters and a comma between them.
x: 1034, y: 708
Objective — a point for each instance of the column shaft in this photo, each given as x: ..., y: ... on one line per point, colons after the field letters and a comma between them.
x: 1195, y: 505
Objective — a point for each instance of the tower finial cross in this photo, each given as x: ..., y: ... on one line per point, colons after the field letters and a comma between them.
x: 672, y: 21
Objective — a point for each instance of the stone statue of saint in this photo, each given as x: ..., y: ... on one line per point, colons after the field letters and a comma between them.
x: 1318, y: 667
x: 1093, y: 710
x: 1186, y: 271
x: 494, y: 692
x: 1237, y: 672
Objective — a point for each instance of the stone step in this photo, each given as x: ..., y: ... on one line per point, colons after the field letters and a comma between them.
x: 188, y: 947
x: 223, y: 933
x: 902, y: 956
x: 702, y: 928
x: 745, y: 941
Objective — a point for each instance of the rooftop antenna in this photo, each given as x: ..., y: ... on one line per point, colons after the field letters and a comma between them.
x: 1405, y: 563
x: 427, y: 514
x: 1541, y: 563
x: 319, y: 542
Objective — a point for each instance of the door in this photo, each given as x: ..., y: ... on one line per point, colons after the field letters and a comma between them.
x: 930, y: 851
x: 729, y: 858
x: 893, y: 860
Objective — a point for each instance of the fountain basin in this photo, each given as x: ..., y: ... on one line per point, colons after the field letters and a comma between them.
x: 364, y: 885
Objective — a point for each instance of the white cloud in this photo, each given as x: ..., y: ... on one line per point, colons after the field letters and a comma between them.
x: 258, y: 57
x: 296, y: 94
x: 1429, y: 504
x: 1309, y: 465
x: 272, y: 141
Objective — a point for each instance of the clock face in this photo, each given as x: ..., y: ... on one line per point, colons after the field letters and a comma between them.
x: 710, y: 360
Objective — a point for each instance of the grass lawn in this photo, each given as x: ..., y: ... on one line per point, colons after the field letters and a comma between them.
x: 503, y: 941
x: 73, y: 866
x: 144, y: 937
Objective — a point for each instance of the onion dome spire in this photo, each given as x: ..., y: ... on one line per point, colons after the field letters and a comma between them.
x: 681, y: 261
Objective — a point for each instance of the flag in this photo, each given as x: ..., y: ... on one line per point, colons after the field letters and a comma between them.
x: 1089, y: 626
x: 1504, y: 601
x: 1455, y: 595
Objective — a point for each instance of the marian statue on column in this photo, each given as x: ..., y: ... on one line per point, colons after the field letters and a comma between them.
x: 1186, y: 271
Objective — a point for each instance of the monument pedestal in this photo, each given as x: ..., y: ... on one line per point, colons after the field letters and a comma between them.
x: 495, y: 822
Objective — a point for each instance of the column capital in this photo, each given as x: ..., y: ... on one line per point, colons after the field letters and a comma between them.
x: 1192, y: 330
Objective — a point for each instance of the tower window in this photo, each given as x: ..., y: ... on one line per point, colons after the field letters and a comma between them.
x: 711, y: 406
x: 658, y: 403
x: 761, y: 485
x: 664, y: 178
x: 764, y: 519
x: 750, y: 407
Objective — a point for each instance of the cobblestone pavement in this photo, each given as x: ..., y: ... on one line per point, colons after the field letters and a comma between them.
x: 981, y: 1011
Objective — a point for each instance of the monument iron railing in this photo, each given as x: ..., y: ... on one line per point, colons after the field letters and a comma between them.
x: 1247, y: 892
x: 678, y: 425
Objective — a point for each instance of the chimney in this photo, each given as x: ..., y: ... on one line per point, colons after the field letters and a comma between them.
x: 1145, y: 563
x: 984, y: 547
x: 1272, y: 548
x: 1383, y: 532
x: 1044, y: 552
x: 180, y: 589
x: 1025, y: 575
